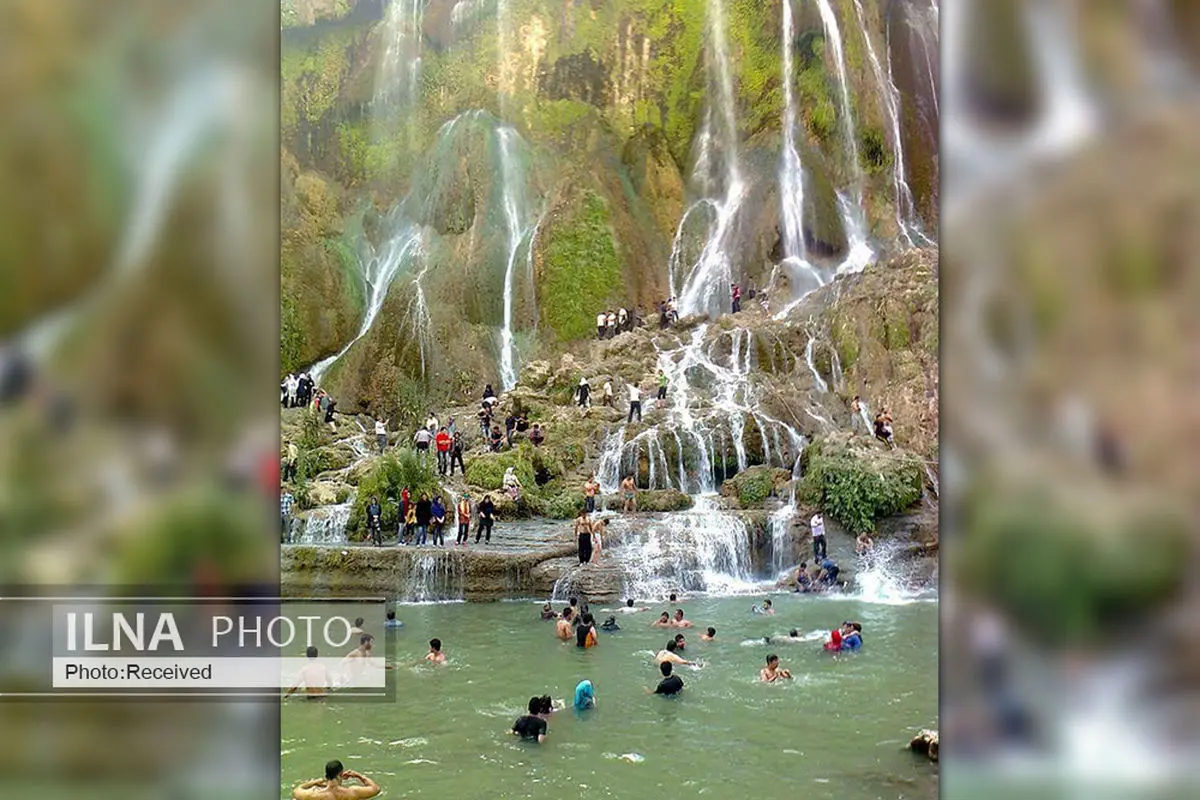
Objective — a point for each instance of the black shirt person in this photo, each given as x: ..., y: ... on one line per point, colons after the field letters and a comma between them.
x: 670, y: 684
x: 531, y: 726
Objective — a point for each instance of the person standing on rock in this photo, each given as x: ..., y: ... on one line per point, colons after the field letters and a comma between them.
x: 510, y: 425
x: 463, y: 514
x: 374, y: 521
x: 381, y: 435
x: 512, y: 484
x: 583, y: 392
x: 456, y: 454
x: 883, y: 428
x: 442, y: 442
x: 583, y: 534
x: 290, y: 462
x: 608, y: 394
x: 330, y: 406
x: 431, y: 422
x: 424, y: 517
x: 487, y: 518
x: 610, y: 323
x: 628, y: 495
x: 285, y: 515
x: 601, y: 324
x: 622, y: 319
x: 817, y: 524
x: 410, y: 523
x: 438, y: 523
x: 662, y: 389
x: 735, y: 297
x: 635, y: 403
x: 589, y: 494
x: 421, y: 439
x: 663, y: 317
x: 599, y: 527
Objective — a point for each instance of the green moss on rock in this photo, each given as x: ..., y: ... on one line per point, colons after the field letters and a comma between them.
x: 857, y: 482
x: 579, y: 266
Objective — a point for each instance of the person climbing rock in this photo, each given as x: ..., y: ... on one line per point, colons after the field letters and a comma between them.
x: 629, y: 495
x: 463, y: 513
x: 635, y: 403
x: 735, y: 297
x: 422, y: 439
x: 487, y: 518
x: 443, y: 442
x: 583, y: 393
x: 608, y: 394
x: 537, y: 436
x: 661, y: 397
x: 601, y: 324
x: 583, y: 534
x: 456, y: 454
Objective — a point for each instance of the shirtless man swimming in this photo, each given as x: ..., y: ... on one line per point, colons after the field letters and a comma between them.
x: 356, y: 660
x: 663, y: 621
x: 563, y: 629
x: 670, y: 653
x: 313, y: 677
x: 435, y: 654
x: 679, y: 621
x: 331, y: 787
x: 773, y: 672
x: 628, y: 608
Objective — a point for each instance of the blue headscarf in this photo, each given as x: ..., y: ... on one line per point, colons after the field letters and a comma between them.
x: 585, y: 695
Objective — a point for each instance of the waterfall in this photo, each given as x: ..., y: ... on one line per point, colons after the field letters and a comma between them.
x: 818, y: 381
x: 418, y: 315
x: 512, y: 222
x: 702, y: 550
x: 325, y: 525
x: 705, y: 285
x: 435, y: 577
x: 400, y: 68
x: 804, y: 277
x: 887, y: 577
x: 400, y: 252
x: 859, y: 252
x: 906, y: 217
x: 779, y: 524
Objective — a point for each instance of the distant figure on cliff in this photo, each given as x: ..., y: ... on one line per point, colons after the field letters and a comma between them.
x: 381, y: 434
x: 537, y: 436
x: 583, y: 393
x: 663, y: 315
x: 601, y: 324
x: 622, y: 320
x: 608, y: 394
x: 512, y: 484
x: 610, y: 324
x: 883, y: 428
x: 735, y: 297
x: 661, y: 397
x: 599, y: 527
x: 442, y: 442
x: 817, y: 524
x: 672, y: 311
x: 635, y: 403
x: 431, y: 422
x: 496, y: 438
x: 628, y: 495
x: 488, y: 391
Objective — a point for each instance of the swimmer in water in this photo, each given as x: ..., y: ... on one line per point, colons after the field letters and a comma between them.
x: 767, y: 607
x: 531, y: 726
x: 313, y: 677
x: 680, y: 642
x: 670, y: 685
x: 670, y: 653
x: 708, y: 635
x: 563, y: 629
x: 610, y: 625
x: 332, y: 786
x: 629, y: 608
x: 585, y: 696
x: 546, y: 706
x: 435, y: 655
x: 773, y: 672
x: 356, y: 660
x: 851, y: 635
x: 664, y: 621
x: 548, y: 612
x: 679, y: 621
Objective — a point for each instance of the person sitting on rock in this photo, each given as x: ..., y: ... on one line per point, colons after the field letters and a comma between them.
x: 883, y: 428
x: 803, y: 581
x: 497, y: 439
x: 536, y: 435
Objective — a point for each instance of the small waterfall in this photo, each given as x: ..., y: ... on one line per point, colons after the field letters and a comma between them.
x: 400, y: 68
x: 325, y: 526
x: 782, y: 542
x: 887, y: 577
x: 435, y: 577
x: 400, y: 252
x: 702, y: 550
x: 859, y: 253
x: 419, y: 321
x: 608, y: 469
x: 820, y: 383
x: 511, y: 204
x: 705, y: 286
x: 906, y: 217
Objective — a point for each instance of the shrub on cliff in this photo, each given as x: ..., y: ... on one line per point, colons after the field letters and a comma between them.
x: 487, y: 471
x: 857, y: 482
x: 389, y: 476
x: 754, y: 485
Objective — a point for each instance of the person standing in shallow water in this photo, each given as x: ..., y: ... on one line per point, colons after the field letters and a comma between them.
x: 628, y: 495
x: 583, y: 533
x: 487, y: 518
x: 671, y: 684
x: 464, y: 519
x: 589, y: 494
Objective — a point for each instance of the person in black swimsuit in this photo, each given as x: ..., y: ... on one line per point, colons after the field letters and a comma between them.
x: 670, y: 684
x: 531, y: 726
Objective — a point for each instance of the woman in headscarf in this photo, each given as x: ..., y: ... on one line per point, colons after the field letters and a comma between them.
x: 512, y: 484
x: 585, y: 696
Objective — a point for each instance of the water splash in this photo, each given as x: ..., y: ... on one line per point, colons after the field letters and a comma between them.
x: 434, y: 577
x: 888, y: 576
x: 325, y: 525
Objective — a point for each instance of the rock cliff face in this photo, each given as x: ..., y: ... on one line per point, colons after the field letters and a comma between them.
x: 558, y: 150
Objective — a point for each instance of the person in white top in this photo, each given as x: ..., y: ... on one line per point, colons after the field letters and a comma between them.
x: 608, y: 393
x: 611, y: 322
x: 431, y: 423
x: 817, y: 523
x: 635, y: 403
x: 381, y: 434
x: 622, y: 318
x: 601, y: 324
x: 293, y: 384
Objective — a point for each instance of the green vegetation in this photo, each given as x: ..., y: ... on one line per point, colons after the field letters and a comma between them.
x: 1098, y: 571
x: 814, y: 88
x: 390, y: 475
x: 857, y: 483
x: 754, y: 485
x: 581, y: 271
x: 487, y: 471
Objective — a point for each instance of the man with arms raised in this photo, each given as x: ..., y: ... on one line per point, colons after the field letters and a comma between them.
x: 331, y: 787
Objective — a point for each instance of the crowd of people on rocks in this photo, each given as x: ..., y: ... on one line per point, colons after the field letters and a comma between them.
x: 633, y: 391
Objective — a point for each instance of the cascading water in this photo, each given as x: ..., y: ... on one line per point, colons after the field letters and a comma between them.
x: 818, y: 381
x: 400, y: 67
x: 805, y: 278
x: 434, y: 577
x: 325, y: 526
x: 887, y: 577
x: 859, y: 253
x: 906, y: 217
x: 511, y: 205
x: 706, y: 282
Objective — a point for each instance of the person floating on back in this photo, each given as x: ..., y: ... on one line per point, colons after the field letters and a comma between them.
x: 332, y: 786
